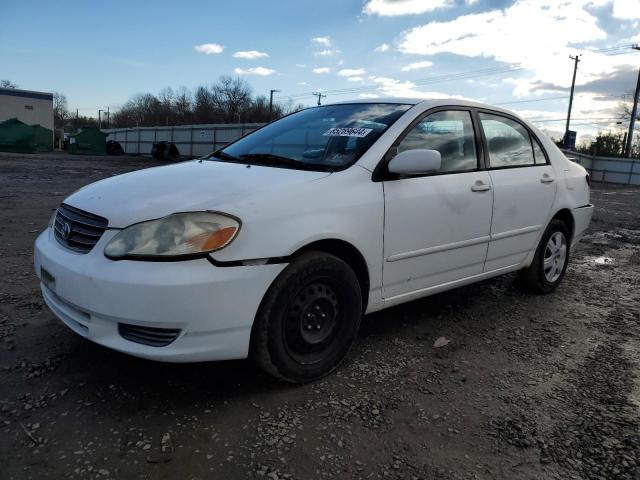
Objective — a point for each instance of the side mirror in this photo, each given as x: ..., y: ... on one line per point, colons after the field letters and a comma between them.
x: 415, y: 162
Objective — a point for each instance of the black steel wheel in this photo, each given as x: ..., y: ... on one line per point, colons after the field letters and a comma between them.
x: 308, y: 319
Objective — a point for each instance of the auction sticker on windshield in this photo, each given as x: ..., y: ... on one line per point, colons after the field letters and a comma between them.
x: 347, y: 132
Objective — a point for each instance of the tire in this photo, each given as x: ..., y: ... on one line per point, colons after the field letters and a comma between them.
x: 308, y: 319
x: 541, y: 278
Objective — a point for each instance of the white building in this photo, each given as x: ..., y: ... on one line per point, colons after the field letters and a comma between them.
x: 27, y: 106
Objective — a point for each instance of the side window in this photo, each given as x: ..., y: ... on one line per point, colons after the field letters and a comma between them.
x: 508, y: 142
x: 451, y: 133
x: 538, y: 152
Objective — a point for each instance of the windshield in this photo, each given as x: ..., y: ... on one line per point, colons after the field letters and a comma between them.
x: 328, y: 138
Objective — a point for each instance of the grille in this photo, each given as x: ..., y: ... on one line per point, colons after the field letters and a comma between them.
x: 78, y: 230
x: 154, y: 337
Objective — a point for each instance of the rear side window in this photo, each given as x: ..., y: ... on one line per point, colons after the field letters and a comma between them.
x: 451, y: 133
x: 538, y: 152
x: 508, y: 142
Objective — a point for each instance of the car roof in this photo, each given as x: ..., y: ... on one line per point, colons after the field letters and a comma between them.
x: 428, y: 103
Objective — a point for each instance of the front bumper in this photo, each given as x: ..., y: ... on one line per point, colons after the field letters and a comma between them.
x: 214, y: 307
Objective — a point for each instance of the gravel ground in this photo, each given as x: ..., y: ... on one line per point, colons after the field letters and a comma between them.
x: 529, y: 386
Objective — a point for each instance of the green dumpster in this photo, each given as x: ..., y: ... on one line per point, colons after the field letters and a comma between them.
x: 16, y: 136
x: 88, y: 141
x: 43, y: 138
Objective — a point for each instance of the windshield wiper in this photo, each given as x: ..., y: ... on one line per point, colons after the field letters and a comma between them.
x: 225, y: 156
x: 270, y: 159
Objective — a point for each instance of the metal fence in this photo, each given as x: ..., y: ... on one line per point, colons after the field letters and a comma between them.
x: 191, y: 140
x: 198, y: 140
x: 609, y: 169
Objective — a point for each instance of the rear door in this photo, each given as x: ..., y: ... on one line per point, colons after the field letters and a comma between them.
x: 436, y: 227
x: 524, y: 189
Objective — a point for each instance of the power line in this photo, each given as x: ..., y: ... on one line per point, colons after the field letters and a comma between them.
x: 625, y: 46
x: 545, y: 120
x: 610, y: 51
x: 532, y: 100
x: 418, y: 82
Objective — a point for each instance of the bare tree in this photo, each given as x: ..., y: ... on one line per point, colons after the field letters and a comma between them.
x: 203, y: 106
x: 60, y: 110
x: 232, y: 96
x: 229, y: 100
x: 183, y: 105
x: 625, y: 107
x: 166, y: 97
x: 7, y: 84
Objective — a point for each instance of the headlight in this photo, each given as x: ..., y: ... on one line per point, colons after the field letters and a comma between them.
x: 180, y: 234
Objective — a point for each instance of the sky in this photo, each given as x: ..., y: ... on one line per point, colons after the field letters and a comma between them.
x: 509, y: 52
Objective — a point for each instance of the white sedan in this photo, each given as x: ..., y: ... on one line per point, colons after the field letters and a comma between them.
x: 276, y: 245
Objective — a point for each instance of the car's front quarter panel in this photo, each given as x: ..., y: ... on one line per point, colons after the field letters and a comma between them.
x: 345, y: 206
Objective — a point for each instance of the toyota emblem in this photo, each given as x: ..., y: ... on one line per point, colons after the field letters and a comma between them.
x: 66, y: 230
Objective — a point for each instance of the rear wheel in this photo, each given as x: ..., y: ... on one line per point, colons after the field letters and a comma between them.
x: 550, y: 261
x: 308, y: 319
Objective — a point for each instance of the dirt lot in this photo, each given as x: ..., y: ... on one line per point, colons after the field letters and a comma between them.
x: 530, y: 386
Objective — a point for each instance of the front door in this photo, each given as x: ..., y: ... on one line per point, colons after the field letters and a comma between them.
x: 524, y: 190
x: 437, y: 226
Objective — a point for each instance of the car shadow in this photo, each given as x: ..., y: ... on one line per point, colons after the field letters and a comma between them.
x: 179, y: 384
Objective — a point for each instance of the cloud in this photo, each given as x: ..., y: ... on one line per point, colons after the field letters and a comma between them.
x: 383, y: 47
x: 369, y: 95
x: 514, y: 36
x: 262, y: 71
x: 355, y: 79
x: 321, y: 70
x: 626, y: 9
x: 390, y: 8
x: 209, y: 48
x: 417, y: 66
x: 250, y: 54
x: 302, y: 83
x: 324, y: 41
x: 351, y: 72
x: 326, y: 52
x: 391, y: 87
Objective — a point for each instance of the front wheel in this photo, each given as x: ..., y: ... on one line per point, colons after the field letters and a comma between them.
x: 550, y: 261
x: 308, y: 319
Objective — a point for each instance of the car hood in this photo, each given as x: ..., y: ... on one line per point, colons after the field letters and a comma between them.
x: 189, y: 186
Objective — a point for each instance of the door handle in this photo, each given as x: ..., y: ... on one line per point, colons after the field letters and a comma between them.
x: 480, y: 186
x: 546, y: 178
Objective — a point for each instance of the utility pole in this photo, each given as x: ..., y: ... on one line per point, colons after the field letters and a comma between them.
x: 271, y: 92
x: 99, y: 119
x: 634, y: 114
x: 576, y: 60
x: 319, y: 95
x: 108, y: 118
